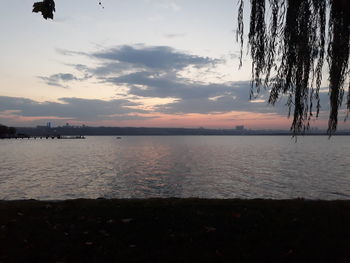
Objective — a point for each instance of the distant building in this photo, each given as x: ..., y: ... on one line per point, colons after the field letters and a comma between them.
x: 240, y: 128
x: 48, y: 125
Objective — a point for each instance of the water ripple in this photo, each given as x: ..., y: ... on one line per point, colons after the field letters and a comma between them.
x: 176, y: 166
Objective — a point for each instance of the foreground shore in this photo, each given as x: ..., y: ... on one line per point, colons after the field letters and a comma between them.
x: 175, y: 230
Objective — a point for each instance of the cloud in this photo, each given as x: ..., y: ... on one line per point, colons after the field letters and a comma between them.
x: 120, y: 60
x: 219, y: 98
x: 72, y: 108
x: 64, y: 77
x: 168, y: 86
x: 157, y: 72
x: 174, y: 35
x: 147, y: 72
x: 152, y: 57
x: 58, y: 79
x: 195, y: 97
x: 66, y: 52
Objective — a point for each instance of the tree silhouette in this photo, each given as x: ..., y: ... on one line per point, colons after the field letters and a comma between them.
x: 7, y: 131
x: 289, y: 51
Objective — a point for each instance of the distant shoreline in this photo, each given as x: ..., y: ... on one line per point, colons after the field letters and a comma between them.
x: 174, y: 230
x: 144, y: 131
x: 165, y: 135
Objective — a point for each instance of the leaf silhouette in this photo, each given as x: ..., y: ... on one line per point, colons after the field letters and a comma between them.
x: 46, y: 7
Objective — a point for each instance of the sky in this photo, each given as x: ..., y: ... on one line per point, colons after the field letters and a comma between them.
x: 141, y: 63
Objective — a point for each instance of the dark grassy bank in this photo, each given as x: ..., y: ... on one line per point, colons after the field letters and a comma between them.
x: 175, y: 230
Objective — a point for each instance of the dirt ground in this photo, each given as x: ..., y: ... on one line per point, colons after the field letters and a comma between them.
x: 175, y: 230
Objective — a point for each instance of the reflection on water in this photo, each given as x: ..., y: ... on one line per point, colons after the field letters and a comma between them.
x: 176, y: 166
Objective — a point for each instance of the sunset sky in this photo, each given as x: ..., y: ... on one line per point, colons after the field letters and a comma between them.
x: 160, y: 63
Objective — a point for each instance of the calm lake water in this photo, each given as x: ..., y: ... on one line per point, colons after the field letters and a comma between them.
x: 176, y: 166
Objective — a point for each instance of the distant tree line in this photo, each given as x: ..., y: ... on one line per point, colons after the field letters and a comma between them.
x: 7, y: 131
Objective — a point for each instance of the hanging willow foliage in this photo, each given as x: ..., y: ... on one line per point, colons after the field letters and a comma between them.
x: 288, y: 51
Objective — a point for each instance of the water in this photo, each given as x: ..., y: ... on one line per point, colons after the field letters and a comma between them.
x: 176, y: 166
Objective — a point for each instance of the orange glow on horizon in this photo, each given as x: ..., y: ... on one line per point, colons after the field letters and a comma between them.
x: 215, y: 121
